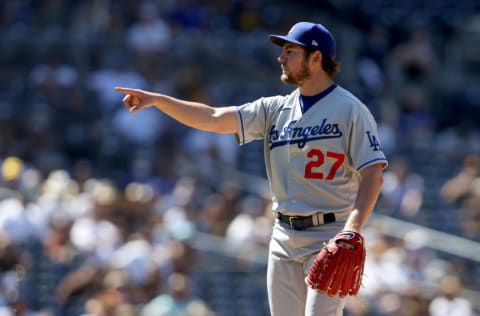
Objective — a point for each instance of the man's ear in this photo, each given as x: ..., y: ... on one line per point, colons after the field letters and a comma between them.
x: 317, y: 56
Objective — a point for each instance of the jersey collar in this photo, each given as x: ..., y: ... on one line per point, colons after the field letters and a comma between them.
x: 306, y: 102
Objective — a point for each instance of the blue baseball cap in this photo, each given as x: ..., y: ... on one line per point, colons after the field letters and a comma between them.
x: 310, y: 35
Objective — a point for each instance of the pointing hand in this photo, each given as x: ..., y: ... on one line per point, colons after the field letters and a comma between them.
x: 136, y: 99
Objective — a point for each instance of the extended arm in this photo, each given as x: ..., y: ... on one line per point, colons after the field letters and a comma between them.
x: 369, y: 189
x: 201, y: 116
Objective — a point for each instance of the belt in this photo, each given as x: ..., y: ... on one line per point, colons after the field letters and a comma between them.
x: 302, y: 222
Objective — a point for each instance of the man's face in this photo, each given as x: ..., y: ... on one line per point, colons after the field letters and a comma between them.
x: 294, y: 65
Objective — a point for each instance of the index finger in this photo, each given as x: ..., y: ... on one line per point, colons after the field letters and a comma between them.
x: 130, y: 91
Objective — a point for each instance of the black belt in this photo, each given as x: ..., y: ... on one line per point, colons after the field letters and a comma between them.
x: 302, y: 222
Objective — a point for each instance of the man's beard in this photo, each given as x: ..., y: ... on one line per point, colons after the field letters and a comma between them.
x: 298, y: 78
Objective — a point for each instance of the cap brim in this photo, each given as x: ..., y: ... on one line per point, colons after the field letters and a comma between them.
x: 280, y: 40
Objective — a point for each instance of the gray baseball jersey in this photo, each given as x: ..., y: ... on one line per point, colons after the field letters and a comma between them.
x: 312, y: 159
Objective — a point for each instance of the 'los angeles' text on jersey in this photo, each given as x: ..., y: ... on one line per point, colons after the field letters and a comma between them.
x: 301, y: 135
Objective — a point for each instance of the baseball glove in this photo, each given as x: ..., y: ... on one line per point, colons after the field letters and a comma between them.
x: 338, y: 267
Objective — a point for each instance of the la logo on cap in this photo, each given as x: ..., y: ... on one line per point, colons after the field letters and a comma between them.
x: 314, y: 43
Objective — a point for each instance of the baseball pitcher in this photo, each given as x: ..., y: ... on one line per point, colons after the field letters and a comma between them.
x: 324, y: 164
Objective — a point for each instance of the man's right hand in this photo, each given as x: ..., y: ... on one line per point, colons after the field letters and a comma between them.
x: 136, y: 99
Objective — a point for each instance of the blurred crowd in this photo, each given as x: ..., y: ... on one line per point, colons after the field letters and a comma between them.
x: 107, y: 213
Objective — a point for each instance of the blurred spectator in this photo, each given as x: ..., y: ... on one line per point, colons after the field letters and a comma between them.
x: 54, y: 76
x: 469, y: 212
x: 402, y: 192
x: 252, y: 226
x: 14, y: 261
x: 416, y: 119
x: 133, y: 258
x: 95, y: 233
x: 459, y: 186
x: 388, y: 127
x: 141, y: 130
x: 212, y: 151
x: 376, y: 45
x: 371, y: 75
x: 449, y: 301
x: 75, y: 122
x: 371, y: 60
x: 91, y: 18
x: 14, y: 221
x: 175, y: 256
x: 460, y: 140
x: 19, y: 184
x: 52, y: 258
x: 385, y: 268
x: 463, y: 191
x: 149, y: 36
x: 413, y: 65
x: 415, y: 61
x: 233, y: 191
x: 177, y: 301
x: 248, y: 233
x: 213, y: 216
x: 110, y: 301
x: 134, y: 263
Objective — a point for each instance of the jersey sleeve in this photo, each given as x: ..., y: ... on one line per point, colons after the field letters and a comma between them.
x: 252, y: 119
x: 365, y: 146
